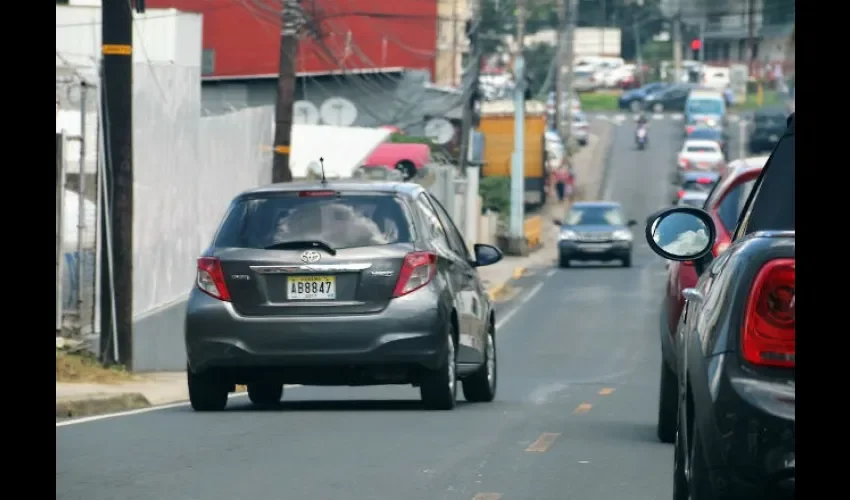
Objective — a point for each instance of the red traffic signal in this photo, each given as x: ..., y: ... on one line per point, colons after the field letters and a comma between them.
x: 696, y: 44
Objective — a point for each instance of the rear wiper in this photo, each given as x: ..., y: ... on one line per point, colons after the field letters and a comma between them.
x: 302, y: 244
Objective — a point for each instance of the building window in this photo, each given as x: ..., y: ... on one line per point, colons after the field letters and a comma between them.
x: 208, y: 62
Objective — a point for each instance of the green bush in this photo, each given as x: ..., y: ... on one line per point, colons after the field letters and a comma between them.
x: 496, y: 194
x: 599, y: 101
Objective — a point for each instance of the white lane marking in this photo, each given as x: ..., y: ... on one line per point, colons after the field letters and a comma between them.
x: 734, y: 118
x: 550, y: 273
x: 620, y: 118
x: 95, y: 418
x: 510, y: 314
x: 677, y: 117
x: 657, y: 116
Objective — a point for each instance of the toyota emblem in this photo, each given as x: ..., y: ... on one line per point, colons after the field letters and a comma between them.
x: 311, y: 256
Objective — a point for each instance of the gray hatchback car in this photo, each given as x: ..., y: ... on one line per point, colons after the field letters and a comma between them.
x: 341, y: 283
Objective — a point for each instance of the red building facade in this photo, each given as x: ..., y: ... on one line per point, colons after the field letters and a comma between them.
x: 241, y: 37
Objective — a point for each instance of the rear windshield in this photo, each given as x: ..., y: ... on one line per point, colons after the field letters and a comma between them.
x: 700, y: 187
x: 705, y: 106
x: 701, y: 149
x: 594, y: 216
x: 342, y: 221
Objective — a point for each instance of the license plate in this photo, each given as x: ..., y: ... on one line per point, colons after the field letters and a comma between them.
x: 311, y: 288
x: 595, y: 248
x: 773, y: 138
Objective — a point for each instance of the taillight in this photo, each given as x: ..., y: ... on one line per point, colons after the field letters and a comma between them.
x: 689, y: 129
x: 720, y: 247
x: 417, y: 271
x: 681, y: 193
x: 769, y: 334
x: 211, y: 278
x: 683, y: 163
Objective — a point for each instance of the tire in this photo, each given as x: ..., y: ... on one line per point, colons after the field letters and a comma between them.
x: 206, y: 392
x: 635, y: 106
x: 582, y: 142
x: 680, y: 480
x: 667, y: 405
x: 265, y: 393
x: 627, y: 262
x: 438, y: 388
x: 563, y: 262
x: 657, y: 108
x: 480, y: 387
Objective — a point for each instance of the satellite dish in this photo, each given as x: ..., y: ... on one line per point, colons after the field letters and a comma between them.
x: 305, y: 113
x: 439, y: 130
x: 338, y: 111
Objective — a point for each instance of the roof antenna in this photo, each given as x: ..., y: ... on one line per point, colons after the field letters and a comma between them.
x: 322, y: 164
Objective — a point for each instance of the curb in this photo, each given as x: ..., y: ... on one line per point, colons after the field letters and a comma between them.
x: 98, y: 404
x: 497, y: 291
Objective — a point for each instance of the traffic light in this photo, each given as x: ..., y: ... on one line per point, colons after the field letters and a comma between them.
x: 696, y: 46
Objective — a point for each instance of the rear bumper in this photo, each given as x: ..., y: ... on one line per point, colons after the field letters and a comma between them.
x: 608, y: 251
x: 750, y: 442
x: 218, y: 337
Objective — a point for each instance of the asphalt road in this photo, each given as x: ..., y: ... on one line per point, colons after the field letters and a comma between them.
x: 574, y: 418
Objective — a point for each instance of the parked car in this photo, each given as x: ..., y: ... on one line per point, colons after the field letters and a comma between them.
x: 341, y: 283
x: 633, y: 99
x: 586, y: 81
x: 595, y: 230
x: 727, y: 395
x: 768, y: 126
x: 580, y: 128
x: 671, y: 98
x: 696, y: 182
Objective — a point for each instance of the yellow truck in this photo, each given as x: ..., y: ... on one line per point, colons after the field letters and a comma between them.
x: 497, y: 126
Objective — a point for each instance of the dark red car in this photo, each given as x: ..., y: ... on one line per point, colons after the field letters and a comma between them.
x: 725, y: 203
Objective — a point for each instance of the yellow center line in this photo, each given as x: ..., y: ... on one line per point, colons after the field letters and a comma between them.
x: 583, y: 408
x: 606, y: 391
x: 487, y: 496
x: 544, y: 442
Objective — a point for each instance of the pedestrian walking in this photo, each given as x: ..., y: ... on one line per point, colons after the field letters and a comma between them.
x: 562, y: 177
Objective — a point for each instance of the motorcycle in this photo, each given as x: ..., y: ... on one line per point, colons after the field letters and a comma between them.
x: 640, y: 138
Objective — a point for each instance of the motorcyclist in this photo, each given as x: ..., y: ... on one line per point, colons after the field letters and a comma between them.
x: 641, y: 121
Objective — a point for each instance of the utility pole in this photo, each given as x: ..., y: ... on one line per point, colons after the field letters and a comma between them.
x: 751, y: 39
x: 454, y: 43
x: 471, y: 93
x: 561, y: 68
x: 116, y: 309
x: 677, y: 43
x: 571, y: 15
x: 638, y: 48
x: 290, y: 21
x: 603, y: 22
x: 517, y: 245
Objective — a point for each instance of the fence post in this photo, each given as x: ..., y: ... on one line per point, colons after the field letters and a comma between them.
x: 60, y: 212
x: 473, y: 214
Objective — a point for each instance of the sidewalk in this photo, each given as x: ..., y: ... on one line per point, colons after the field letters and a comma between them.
x: 145, y: 390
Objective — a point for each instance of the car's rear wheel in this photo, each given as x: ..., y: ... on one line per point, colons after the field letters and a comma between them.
x: 667, y: 405
x: 480, y: 387
x: 438, y: 388
x: 265, y: 393
x: 206, y: 391
x: 657, y: 107
x: 563, y: 261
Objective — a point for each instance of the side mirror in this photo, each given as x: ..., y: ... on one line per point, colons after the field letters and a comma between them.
x: 681, y: 233
x: 558, y: 222
x: 486, y: 255
x: 631, y: 223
